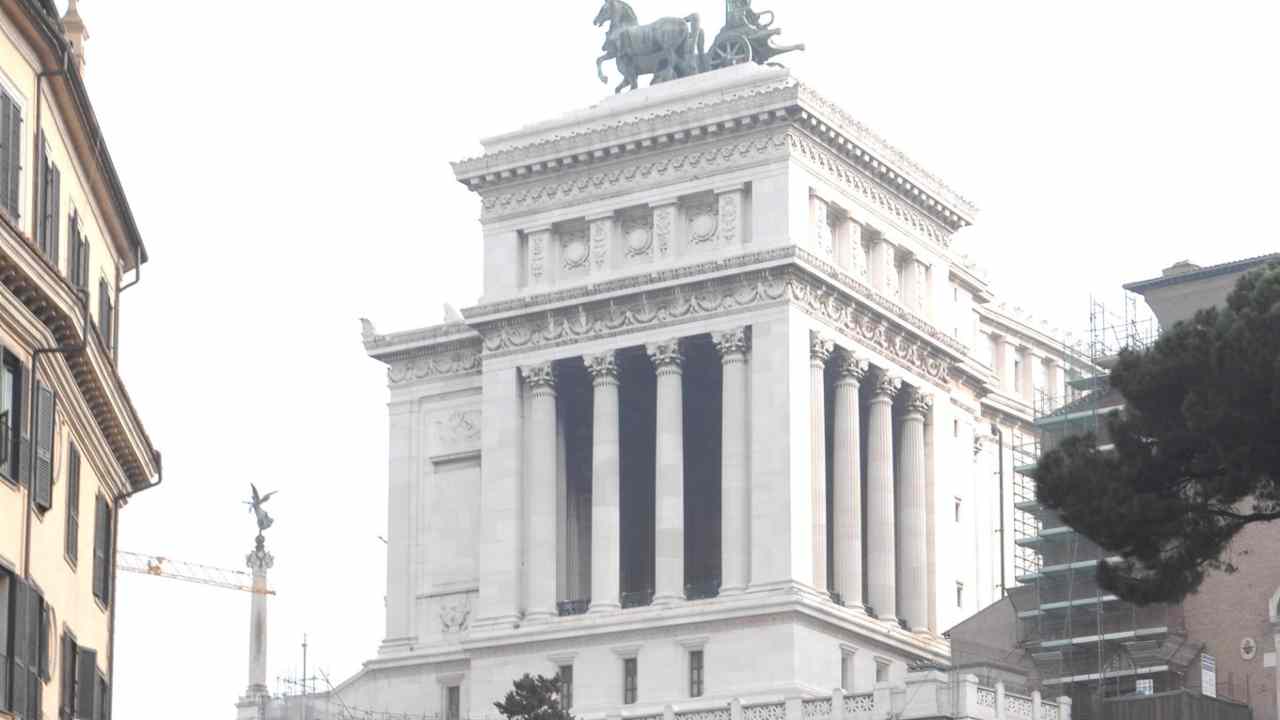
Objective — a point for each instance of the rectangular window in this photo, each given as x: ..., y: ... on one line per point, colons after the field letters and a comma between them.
x: 846, y: 671
x: 629, y: 681
x: 565, y: 673
x: 1017, y: 375
x: 73, y: 504
x: 102, y: 552
x: 695, y: 673
x: 959, y: 501
x: 882, y: 671
x: 78, y: 255
x: 10, y: 155
x: 960, y: 595
x: 50, y: 201
x: 453, y: 703
x: 10, y: 417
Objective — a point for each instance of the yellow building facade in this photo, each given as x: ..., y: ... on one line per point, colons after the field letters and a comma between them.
x: 72, y: 448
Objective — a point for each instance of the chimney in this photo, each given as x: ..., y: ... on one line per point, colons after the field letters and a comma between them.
x: 76, y: 34
x: 1179, y: 268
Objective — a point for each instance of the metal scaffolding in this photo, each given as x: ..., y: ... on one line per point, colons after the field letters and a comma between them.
x: 1085, y: 642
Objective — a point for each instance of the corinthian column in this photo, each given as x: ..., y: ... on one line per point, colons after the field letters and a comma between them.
x: 913, y: 594
x: 735, y: 507
x: 880, y: 571
x: 668, y: 544
x: 541, y: 492
x: 819, y: 352
x: 606, y: 470
x: 846, y: 482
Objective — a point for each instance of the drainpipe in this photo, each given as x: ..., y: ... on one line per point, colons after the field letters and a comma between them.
x: 995, y: 430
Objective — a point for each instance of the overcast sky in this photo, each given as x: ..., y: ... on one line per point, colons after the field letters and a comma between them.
x: 288, y: 165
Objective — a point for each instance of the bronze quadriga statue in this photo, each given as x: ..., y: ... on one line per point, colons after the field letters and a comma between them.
x: 667, y: 48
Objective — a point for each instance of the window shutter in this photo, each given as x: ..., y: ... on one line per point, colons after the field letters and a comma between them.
x: 42, y: 644
x: 45, y: 401
x: 104, y: 313
x: 73, y: 504
x: 6, y: 157
x: 42, y: 191
x: 55, y: 212
x: 84, y: 265
x: 67, y: 697
x: 86, y: 683
x: 14, y: 151
x: 21, y: 658
x: 101, y: 552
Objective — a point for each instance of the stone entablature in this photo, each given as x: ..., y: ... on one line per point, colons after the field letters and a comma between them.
x: 731, y: 100
x: 898, y: 334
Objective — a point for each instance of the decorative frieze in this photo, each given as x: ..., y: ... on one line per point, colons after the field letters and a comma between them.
x: 715, y: 298
x: 439, y: 364
x: 663, y: 171
x: 539, y: 246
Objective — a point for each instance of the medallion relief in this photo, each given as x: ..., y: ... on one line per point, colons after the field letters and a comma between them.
x: 574, y: 250
x: 637, y: 233
x: 703, y: 220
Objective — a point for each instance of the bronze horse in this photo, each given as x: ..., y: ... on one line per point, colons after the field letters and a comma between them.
x: 667, y: 48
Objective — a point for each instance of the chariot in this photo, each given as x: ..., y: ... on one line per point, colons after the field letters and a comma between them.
x: 746, y: 37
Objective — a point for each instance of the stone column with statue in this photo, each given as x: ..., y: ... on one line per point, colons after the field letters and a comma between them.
x: 259, y: 562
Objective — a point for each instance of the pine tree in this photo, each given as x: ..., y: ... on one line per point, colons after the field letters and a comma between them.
x: 1196, y: 453
x: 534, y: 698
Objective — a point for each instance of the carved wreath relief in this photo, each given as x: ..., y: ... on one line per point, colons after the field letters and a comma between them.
x: 574, y: 250
x: 637, y: 233
x: 703, y: 221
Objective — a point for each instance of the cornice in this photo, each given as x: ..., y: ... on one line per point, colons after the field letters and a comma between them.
x: 771, y: 97
x: 685, y: 161
x: 396, y: 346
x: 49, y: 298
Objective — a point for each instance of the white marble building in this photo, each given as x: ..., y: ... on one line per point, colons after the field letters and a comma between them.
x: 716, y: 428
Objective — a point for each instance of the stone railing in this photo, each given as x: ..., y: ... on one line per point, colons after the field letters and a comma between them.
x: 926, y: 694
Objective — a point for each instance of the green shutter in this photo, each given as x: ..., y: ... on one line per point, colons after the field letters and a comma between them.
x: 42, y: 644
x: 14, y: 152
x: 6, y: 116
x: 67, y: 696
x: 19, y: 643
x: 102, y: 552
x: 86, y: 683
x: 55, y: 212
x: 73, y: 504
x: 43, y: 483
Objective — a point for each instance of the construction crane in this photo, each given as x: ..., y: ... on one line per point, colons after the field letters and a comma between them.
x: 188, y: 572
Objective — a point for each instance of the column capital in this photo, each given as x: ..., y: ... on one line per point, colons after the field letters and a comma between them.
x: 887, y: 385
x: 850, y: 367
x: 732, y: 342
x: 602, y: 366
x: 539, y: 376
x: 919, y: 403
x: 666, y: 354
x: 820, y: 348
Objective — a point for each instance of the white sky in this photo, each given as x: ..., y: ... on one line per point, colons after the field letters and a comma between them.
x: 288, y: 165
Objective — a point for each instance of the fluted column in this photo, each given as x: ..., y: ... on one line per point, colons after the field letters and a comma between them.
x: 847, y: 481
x: 606, y: 471
x: 819, y: 351
x: 881, y: 582
x: 913, y: 559
x: 735, y: 500
x: 541, y: 572
x: 668, y: 544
